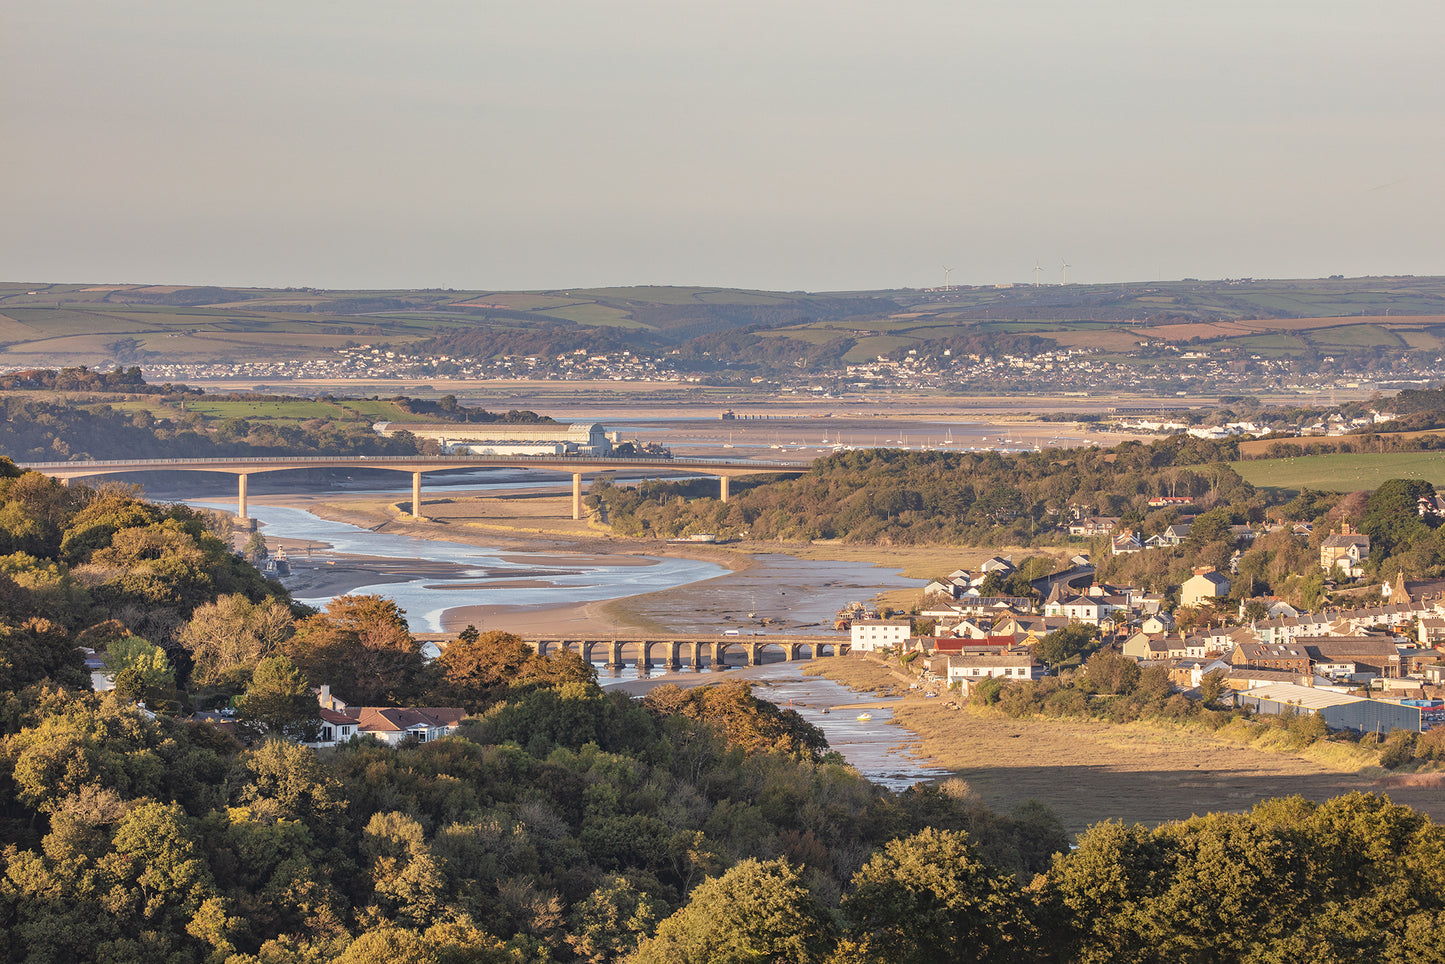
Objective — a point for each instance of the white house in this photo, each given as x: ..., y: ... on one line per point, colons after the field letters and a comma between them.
x: 393, y: 724
x: 871, y: 635
x: 970, y: 669
x: 390, y: 724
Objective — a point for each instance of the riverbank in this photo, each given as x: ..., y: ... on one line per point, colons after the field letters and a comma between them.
x: 1088, y: 770
x: 761, y: 588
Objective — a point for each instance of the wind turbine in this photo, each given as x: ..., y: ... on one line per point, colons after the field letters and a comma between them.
x: 1037, y: 269
x: 1066, y: 270
x: 946, y: 272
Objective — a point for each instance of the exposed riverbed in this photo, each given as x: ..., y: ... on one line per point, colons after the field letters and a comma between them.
x: 776, y: 593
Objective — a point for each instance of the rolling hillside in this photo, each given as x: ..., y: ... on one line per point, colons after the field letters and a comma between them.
x: 53, y: 325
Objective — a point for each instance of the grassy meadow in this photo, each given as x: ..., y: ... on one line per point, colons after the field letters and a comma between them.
x: 1342, y: 471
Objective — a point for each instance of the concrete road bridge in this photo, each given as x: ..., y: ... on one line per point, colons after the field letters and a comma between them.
x: 417, y: 465
x: 702, y: 651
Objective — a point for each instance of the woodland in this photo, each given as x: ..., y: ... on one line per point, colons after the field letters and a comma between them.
x: 566, y: 823
x: 561, y: 823
x: 894, y: 497
x: 93, y: 421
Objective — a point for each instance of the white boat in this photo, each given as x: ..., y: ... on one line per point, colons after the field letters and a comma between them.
x: 864, y: 717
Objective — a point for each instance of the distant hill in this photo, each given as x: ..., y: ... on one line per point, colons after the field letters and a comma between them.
x: 45, y: 325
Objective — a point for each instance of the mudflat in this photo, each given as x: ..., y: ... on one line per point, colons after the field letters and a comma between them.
x: 774, y: 590
x: 1089, y: 771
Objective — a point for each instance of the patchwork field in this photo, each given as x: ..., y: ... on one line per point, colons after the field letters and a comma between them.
x: 51, y: 325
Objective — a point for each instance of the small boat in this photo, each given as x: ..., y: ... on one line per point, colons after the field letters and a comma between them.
x: 864, y: 717
x: 824, y: 711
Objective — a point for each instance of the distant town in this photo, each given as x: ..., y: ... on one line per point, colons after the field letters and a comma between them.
x: 1153, y: 370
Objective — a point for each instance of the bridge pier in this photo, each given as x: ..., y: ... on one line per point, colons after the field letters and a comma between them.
x: 723, y: 497
x: 576, y: 495
x: 241, y: 496
x: 416, y: 495
x: 614, y: 655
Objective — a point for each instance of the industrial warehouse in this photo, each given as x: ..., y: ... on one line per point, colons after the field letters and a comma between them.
x: 497, y: 438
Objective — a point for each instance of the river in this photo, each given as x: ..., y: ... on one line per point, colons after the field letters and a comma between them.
x: 482, y: 575
x: 802, y: 594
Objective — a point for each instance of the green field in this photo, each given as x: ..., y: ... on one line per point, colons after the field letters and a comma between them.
x: 1345, y: 472
x: 878, y: 345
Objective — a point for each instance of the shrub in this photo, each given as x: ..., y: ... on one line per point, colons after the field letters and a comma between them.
x: 1399, y: 749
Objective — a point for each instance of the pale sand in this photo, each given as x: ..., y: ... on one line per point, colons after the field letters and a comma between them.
x: 520, y: 521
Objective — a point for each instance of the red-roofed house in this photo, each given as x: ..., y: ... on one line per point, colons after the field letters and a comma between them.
x: 390, y: 724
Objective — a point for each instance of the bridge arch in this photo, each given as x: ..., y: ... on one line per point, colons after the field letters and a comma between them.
x: 762, y: 647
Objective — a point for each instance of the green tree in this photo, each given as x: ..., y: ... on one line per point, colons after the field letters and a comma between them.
x: 1064, y: 644
x: 744, y: 720
x: 477, y: 667
x: 278, y: 702
x: 140, y: 669
x: 1212, y: 686
x: 255, y: 549
x: 39, y: 650
x: 757, y: 911
x: 1111, y: 672
x: 1392, y: 518
x: 408, y: 885
x: 928, y: 898
x: 608, y: 925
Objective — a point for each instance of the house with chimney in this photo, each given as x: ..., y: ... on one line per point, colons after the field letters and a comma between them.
x: 390, y: 724
x: 1345, y: 550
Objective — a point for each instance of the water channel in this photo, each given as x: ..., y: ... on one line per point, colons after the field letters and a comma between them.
x: 803, y: 593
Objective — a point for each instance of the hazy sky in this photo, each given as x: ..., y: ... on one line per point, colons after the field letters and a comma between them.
x: 788, y: 144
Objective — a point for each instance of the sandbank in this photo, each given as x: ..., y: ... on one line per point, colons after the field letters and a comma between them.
x: 531, y: 521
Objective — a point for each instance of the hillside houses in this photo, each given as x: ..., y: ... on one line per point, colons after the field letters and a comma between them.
x: 1360, y: 644
x: 1387, y: 648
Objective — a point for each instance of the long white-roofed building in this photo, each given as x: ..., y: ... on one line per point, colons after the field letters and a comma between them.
x: 503, y: 438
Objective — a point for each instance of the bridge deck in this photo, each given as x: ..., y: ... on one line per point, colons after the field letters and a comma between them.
x: 415, y: 463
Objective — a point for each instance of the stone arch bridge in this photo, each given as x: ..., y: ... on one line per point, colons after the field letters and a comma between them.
x: 698, y: 652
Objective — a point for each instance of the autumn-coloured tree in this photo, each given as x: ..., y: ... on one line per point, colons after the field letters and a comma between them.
x: 362, y: 647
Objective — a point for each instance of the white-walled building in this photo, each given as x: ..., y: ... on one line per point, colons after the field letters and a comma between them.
x: 502, y: 438
x: 1016, y: 666
x: 871, y: 635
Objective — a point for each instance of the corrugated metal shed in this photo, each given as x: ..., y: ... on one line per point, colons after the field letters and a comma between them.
x: 1339, y: 710
x: 1302, y: 697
